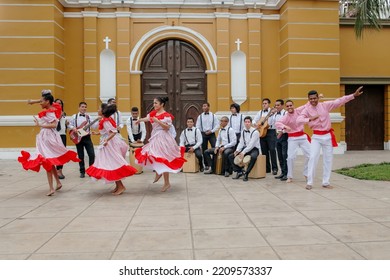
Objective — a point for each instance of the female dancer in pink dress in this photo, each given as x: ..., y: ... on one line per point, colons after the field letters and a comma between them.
x: 162, y: 153
x: 50, y: 151
x: 110, y: 164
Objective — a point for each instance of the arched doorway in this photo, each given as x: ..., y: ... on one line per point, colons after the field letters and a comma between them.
x: 176, y: 69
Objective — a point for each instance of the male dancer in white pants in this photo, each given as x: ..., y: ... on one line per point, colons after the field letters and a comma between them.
x: 317, y: 116
x: 296, y: 137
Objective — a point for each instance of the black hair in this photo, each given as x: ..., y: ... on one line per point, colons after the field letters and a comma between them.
x: 103, y: 106
x: 46, y: 92
x: 109, y: 100
x: 82, y: 103
x: 108, y: 110
x: 62, y: 103
x: 191, y: 118
x: 162, y: 99
x: 289, y: 100
x: 208, y: 104
x: 248, y: 118
x: 235, y: 105
x: 267, y: 99
x: 281, y: 101
x: 312, y: 92
x: 134, y: 109
x: 48, y: 97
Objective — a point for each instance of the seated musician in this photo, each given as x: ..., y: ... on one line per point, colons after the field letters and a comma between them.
x: 249, y: 145
x: 80, y: 120
x: 136, y: 132
x: 191, y: 139
x: 226, y: 141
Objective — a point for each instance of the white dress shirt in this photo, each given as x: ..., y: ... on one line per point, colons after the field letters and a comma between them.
x: 117, y: 117
x: 78, y: 119
x: 191, y: 136
x: 249, y: 140
x: 277, y: 117
x: 263, y: 114
x: 236, y: 121
x: 224, y: 135
x: 207, y: 121
x: 133, y: 128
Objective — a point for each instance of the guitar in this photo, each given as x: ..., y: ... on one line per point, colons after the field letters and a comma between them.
x: 262, y: 124
x: 81, y: 131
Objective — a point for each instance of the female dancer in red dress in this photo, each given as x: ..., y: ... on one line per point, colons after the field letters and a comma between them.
x: 162, y: 154
x: 110, y: 163
x: 50, y: 151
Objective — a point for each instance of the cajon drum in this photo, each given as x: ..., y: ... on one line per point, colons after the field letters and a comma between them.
x: 192, y: 164
x: 218, y: 164
x: 258, y: 171
x: 132, y: 161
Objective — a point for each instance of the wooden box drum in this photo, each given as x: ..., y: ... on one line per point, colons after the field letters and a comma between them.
x: 218, y: 165
x: 258, y: 170
x: 133, y: 146
x: 192, y: 164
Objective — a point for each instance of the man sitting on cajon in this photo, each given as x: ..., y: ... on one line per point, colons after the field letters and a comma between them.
x: 249, y: 145
x: 191, y: 139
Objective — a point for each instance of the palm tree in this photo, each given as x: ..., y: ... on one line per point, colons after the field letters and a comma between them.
x: 368, y: 14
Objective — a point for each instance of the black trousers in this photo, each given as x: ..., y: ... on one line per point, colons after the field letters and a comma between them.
x: 238, y: 135
x: 63, y: 138
x: 198, y: 154
x: 254, y: 153
x: 210, y: 157
x: 135, y: 136
x: 206, y: 139
x: 87, y: 144
x: 268, y: 148
x: 281, y: 148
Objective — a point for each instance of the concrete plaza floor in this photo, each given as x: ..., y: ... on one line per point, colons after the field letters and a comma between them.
x: 200, y: 217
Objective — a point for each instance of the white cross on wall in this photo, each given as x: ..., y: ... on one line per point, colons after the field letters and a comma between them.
x: 107, y: 41
x: 238, y: 42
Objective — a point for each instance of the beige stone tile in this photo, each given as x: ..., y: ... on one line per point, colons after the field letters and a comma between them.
x: 108, y: 211
x: 250, y: 253
x: 296, y: 235
x: 361, y: 203
x: 35, y: 225
x: 317, y: 252
x: 359, y: 232
x: 215, y: 208
x: 372, y: 250
x: 19, y: 243
x: 5, y: 221
x: 14, y: 212
x: 248, y: 197
x: 98, y: 224
x: 172, y: 222
x: 378, y: 215
x: 154, y: 255
x: 164, y: 209
x: 227, y: 238
x: 155, y: 240
x: 14, y: 257
x: 220, y: 221
x: 56, y: 211
x: 81, y: 242
x: 273, y: 205
x: 72, y: 256
x: 212, y: 198
x: 335, y: 217
x: 269, y: 219
x: 307, y: 205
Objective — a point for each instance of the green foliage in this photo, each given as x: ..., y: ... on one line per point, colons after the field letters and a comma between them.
x: 366, y: 171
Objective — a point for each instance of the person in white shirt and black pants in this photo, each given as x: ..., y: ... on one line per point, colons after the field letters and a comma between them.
x: 136, y: 132
x: 85, y: 142
x: 281, y: 141
x: 249, y: 145
x: 236, y: 121
x: 191, y: 139
x: 208, y: 124
x: 226, y: 142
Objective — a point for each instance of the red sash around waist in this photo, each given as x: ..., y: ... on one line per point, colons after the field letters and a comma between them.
x: 299, y: 133
x: 323, y: 132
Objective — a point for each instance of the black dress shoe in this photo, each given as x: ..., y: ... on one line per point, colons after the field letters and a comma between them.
x: 82, y: 175
x: 227, y: 173
x: 245, y: 178
x: 279, y: 177
x: 284, y: 178
x: 201, y: 169
x: 238, y: 175
x: 274, y: 172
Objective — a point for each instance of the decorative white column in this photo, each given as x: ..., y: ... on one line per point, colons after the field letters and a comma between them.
x: 107, y: 73
x: 238, y: 75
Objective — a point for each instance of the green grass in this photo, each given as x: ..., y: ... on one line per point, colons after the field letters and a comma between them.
x: 379, y: 172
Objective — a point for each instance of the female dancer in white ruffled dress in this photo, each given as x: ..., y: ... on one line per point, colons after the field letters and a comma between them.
x: 162, y: 154
x: 50, y: 151
x: 110, y: 164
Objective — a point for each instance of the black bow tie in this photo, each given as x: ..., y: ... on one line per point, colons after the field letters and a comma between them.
x: 206, y: 113
x: 234, y: 114
x: 82, y: 115
x: 223, y: 129
x: 189, y: 129
x: 247, y: 131
x: 278, y: 113
x: 135, y: 119
x: 266, y: 111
